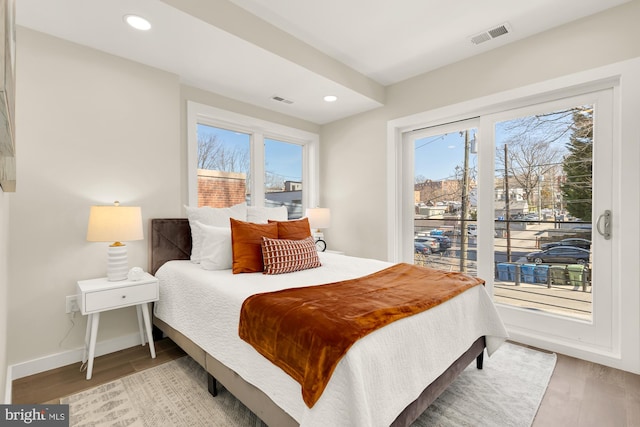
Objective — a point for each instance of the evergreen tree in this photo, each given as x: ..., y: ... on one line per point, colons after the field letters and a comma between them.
x: 578, y: 165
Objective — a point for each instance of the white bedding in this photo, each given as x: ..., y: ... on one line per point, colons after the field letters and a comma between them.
x: 364, y: 390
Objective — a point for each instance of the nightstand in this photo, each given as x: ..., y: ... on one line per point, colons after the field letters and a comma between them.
x: 98, y: 295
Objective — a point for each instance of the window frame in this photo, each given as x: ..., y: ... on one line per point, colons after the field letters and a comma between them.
x: 258, y: 129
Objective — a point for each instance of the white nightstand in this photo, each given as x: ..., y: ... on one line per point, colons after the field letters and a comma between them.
x: 98, y: 295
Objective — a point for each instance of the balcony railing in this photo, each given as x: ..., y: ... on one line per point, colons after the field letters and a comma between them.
x: 559, y: 288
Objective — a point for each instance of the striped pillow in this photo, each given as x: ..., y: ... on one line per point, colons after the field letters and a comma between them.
x: 285, y: 256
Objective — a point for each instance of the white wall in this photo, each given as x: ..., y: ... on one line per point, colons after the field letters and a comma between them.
x: 91, y: 129
x: 4, y: 242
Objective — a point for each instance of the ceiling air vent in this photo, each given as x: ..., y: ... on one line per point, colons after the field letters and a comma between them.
x: 491, y: 34
x: 281, y: 99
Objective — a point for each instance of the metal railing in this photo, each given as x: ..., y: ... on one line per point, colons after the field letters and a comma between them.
x: 563, y: 288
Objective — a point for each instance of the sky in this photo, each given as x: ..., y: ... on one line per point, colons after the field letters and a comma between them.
x: 282, y: 159
x: 435, y: 160
x: 436, y: 157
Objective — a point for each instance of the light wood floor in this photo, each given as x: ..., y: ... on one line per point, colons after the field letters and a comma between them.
x: 50, y: 386
x: 580, y: 394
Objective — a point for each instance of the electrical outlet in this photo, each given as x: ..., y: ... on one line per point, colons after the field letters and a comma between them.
x: 73, y: 304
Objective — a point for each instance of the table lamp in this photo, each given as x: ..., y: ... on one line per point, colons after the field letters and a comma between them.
x: 115, y: 224
x: 319, y: 218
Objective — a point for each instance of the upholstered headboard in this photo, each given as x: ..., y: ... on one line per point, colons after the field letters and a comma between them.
x: 170, y: 239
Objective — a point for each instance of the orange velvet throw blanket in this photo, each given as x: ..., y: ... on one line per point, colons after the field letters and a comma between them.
x: 305, y: 331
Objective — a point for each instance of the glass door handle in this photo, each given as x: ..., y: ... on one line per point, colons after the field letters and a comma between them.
x: 606, y: 232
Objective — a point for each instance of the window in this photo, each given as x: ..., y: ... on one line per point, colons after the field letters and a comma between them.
x: 544, y: 204
x: 445, y: 197
x: 224, y: 165
x: 234, y: 158
x: 283, y: 183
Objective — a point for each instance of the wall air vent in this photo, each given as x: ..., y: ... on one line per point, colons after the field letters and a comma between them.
x: 281, y: 99
x: 491, y: 34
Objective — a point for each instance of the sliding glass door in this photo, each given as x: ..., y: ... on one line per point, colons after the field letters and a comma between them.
x: 520, y: 198
x: 552, y: 189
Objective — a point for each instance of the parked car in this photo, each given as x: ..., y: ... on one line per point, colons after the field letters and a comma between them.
x: 421, y: 248
x: 426, y: 245
x: 560, y: 254
x: 574, y: 241
x: 472, y: 230
x: 444, y: 243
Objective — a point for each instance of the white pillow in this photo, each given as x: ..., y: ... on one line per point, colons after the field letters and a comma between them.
x: 218, y: 217
x: 217, y: 253
x: 262, y: 215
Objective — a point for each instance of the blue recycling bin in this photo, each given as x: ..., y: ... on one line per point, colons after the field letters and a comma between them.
x: 503, y: 272
x: 512, y: 272
x: 541, y: 273
x: 527, y: 273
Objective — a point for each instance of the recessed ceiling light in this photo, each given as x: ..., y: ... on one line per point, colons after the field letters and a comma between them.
x: 330, y: 98
x: 137, y: 22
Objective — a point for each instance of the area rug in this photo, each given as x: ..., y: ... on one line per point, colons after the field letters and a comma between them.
x: 507, y: 392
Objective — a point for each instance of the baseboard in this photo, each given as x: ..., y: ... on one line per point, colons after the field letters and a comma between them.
x: 53, y: 361
x: 8, y: 390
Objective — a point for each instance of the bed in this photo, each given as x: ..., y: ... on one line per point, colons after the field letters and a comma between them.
x: 361, y: 390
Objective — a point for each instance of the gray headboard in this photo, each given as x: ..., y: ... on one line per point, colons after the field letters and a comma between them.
x: 170, y: 239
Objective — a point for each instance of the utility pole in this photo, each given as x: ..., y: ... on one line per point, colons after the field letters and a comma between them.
x: 465, y: 206
x: 506, y: 203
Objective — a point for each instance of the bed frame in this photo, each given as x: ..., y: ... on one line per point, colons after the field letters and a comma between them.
x: 171, y: 240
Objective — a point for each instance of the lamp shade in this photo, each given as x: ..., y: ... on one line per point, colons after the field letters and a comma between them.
x: 319, y: 217
x: 114, y: 224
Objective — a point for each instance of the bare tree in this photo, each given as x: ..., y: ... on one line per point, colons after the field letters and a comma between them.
x: 550, y: 127
x: 214, y: 155
x: 529, y: 159
x: 273, y: 181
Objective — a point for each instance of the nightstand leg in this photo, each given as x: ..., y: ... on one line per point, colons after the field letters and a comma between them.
x: 147, y: 324
x: 140, y: 324
x: 94, y: 319
x: 87, y: 337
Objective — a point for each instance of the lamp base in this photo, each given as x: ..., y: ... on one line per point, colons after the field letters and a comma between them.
x: 117, y: 263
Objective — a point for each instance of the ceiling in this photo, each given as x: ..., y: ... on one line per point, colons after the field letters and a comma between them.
x: 299, y: 50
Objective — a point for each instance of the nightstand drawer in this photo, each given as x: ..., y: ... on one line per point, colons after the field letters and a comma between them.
x: 120, y: 297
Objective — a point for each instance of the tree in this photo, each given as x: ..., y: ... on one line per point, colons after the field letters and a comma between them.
x: 578, y: 165
x: 215, y: 155
x: 273, y: 182
x: 529, y: 158
x: 533, y: 146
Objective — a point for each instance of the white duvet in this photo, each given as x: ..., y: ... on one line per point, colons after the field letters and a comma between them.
x: 381, y: 373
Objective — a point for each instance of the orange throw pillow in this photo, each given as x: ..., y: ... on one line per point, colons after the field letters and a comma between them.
x: 297, y: 229
x: 246, y: 244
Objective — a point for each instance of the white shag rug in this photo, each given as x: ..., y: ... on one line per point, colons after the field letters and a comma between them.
x: 506, y: 393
